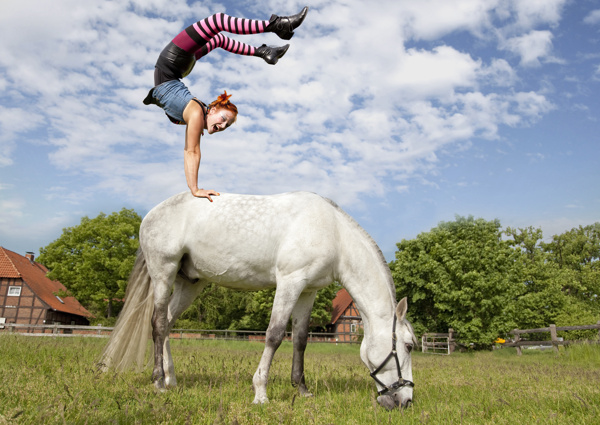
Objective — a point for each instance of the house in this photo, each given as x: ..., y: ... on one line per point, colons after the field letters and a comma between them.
x: 346, y: 322
x: 27, y: 296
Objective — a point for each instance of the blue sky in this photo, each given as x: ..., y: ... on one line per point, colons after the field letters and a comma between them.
x: 405, y: 114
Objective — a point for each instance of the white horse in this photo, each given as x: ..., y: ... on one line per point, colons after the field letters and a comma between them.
x: 296, y: 242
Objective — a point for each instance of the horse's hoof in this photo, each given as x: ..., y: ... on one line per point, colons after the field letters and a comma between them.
x: 260, y: 400
x: 159, y: 384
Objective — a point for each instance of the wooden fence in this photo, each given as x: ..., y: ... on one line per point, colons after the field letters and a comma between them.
x: 438, y: 343
x: 206, y: 334
x: 554, y: 340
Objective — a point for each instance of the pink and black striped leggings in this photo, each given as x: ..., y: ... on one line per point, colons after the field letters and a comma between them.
x: 205, y: 35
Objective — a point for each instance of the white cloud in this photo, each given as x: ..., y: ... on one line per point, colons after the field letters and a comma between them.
x: 597, y: 73
x: 593, y: 17
x: 431, y: 19
x: 530, y: 47
x: 531, y: 13
x: 15, y: 122
x: 435, y: 73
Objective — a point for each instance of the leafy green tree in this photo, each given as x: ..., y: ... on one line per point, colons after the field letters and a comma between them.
x: 258, y: 311
x: 215, y: 308
x: 459, y: 275
x: 560, y: 278
x: 576, y: 253
x: 93, y: 260
x: 540, y: 297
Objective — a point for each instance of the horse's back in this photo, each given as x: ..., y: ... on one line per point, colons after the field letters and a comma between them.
x: 238, y: 212
x: 243, y: 237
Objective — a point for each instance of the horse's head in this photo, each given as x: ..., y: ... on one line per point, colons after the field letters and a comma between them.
x: 392, y: 370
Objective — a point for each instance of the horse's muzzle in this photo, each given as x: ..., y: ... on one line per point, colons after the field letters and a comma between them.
x: 391, y: 402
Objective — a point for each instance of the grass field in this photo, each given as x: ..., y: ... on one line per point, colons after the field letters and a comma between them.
x: 54, y: 380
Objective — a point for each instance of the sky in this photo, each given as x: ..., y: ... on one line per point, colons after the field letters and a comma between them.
x: 406, y: 113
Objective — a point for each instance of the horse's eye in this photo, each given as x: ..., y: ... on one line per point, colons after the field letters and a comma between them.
x: 409, y: 347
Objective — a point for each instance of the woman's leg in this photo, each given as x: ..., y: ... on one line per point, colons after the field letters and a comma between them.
x: 283, y: 26
x: 211, y: 26
x: 270, y: 54
x: 225, y: 43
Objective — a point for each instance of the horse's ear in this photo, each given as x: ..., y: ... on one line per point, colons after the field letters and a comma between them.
x: 401, y: 309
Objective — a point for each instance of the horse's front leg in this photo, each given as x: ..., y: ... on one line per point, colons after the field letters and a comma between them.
x: 284, y: 301
x: 300, y: 322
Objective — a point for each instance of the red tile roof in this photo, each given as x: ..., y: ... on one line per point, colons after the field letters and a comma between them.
x: 13, y: 265
x: 341, y: 302
x: 7, y: 268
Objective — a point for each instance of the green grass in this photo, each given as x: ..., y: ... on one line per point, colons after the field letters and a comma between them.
x: 54, y: 381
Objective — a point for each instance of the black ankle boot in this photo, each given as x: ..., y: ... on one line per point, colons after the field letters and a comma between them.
x: 284, y: 26
x: 271, y: 54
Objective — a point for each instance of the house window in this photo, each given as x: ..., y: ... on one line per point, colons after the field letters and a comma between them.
x: 14, y: 291
x: 353, y: 328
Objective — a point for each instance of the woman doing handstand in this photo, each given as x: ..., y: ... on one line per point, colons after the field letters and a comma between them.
x: 177, y: 60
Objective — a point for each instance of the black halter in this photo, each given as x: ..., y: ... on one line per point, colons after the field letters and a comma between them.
x: 400, y: 382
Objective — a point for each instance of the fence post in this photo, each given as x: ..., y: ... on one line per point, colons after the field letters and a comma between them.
x: 517, y: 339
x: 450, y: 341
x: 598, y: 329
x: 554, y: 338
x: 423, y: 348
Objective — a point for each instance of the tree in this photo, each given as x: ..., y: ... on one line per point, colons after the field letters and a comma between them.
x: 216, y: 307
x: 93, y: 260
x: 576, y: 254
x: 459, y: 275
x: 464, y: 275
x: 539, y: 298
x: 258, y: 310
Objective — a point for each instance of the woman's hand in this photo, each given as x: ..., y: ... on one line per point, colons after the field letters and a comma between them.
x: 201, y: 193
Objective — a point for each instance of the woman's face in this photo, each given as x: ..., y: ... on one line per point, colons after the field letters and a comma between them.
x: 218, y: 120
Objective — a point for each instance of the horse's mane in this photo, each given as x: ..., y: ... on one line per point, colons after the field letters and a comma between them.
x: 372, y: 244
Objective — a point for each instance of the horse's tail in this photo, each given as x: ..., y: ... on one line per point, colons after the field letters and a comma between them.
x: 128, y: 341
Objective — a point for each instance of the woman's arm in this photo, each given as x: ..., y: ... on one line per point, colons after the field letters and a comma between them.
x: 194, y: 117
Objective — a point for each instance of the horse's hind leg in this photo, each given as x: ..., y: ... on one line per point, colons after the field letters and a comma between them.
x: 163, y: 283
x: 184, y: 293
x: 300, y: 322
x: 160, y: 327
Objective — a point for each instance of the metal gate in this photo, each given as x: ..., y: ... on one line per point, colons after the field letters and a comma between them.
x: 435, y: 343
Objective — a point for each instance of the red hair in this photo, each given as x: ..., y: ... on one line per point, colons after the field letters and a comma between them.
x: 223, y: 102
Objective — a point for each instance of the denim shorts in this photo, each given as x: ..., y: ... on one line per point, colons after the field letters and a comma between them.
x: 173, y: 96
